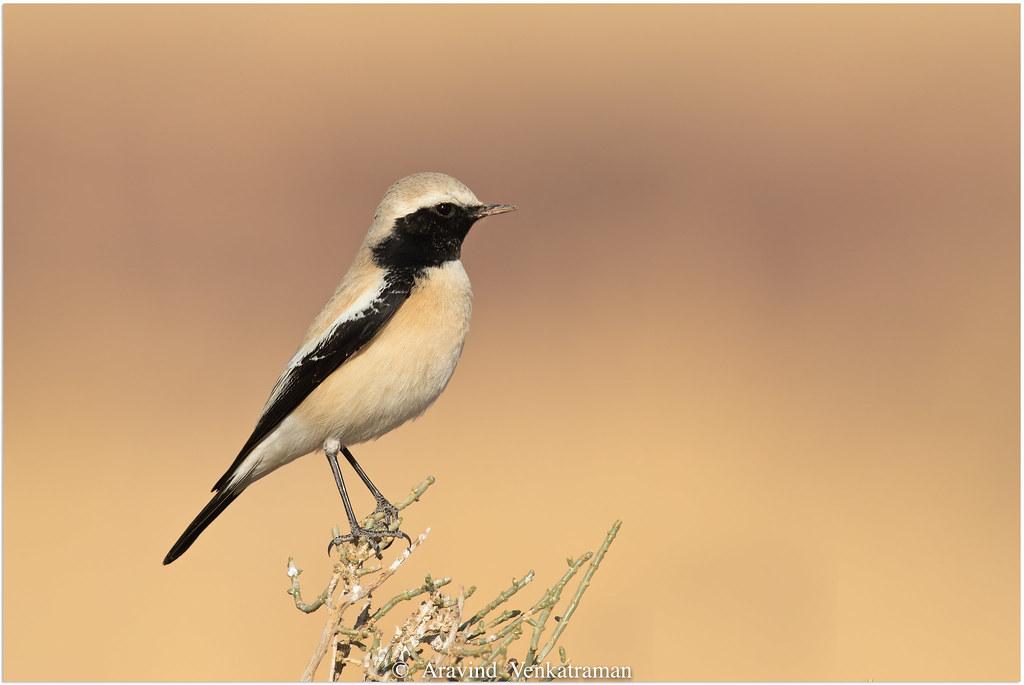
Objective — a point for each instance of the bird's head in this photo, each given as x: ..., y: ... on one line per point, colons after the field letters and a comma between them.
x: 423, y: 220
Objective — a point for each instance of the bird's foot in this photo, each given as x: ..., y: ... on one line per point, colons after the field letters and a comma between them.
x: 372, y: 535
x: 386, y: 513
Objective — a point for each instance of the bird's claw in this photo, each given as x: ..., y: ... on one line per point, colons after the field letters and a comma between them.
x: 371, y: 535
x: 387, y: 512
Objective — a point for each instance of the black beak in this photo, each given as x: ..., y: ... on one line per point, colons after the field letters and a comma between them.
x: 490, y: 210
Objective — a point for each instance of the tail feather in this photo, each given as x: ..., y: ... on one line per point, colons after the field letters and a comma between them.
x: 212, y: 510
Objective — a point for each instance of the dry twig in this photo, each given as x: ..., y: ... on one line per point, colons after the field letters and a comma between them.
x: 434, y: 641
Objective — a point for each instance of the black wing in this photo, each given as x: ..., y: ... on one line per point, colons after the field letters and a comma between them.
x: 343, y: 341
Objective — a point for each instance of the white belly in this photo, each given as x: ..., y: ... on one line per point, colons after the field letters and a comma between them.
x: 393, y: 379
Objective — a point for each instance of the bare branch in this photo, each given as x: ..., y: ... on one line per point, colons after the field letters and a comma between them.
x: 433, y: 640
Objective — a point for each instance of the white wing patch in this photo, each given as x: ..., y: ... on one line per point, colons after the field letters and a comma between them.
x: 355, y: 311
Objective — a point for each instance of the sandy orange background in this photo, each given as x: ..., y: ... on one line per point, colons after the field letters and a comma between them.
x: 761, y: 302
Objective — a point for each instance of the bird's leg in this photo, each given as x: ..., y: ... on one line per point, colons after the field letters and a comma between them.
x: 331, y: 448
x: 373, y: 536
x: 387, y: 510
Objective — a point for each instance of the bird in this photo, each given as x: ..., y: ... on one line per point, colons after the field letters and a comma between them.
x: 379, y: 353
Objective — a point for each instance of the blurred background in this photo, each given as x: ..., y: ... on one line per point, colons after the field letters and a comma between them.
x: 760, y: 302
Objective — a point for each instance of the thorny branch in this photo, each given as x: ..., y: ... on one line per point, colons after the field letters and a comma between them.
x: 434, y: 639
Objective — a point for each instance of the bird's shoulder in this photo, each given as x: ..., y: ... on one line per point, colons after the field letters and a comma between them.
x: 362, y: 281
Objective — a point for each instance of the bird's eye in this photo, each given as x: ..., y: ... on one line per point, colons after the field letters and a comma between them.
x: 445, y: 209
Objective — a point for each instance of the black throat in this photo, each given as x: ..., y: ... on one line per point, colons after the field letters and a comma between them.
x: 424, y: 238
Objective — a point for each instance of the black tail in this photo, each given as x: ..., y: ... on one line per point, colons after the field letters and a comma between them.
x: 219, y: 503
